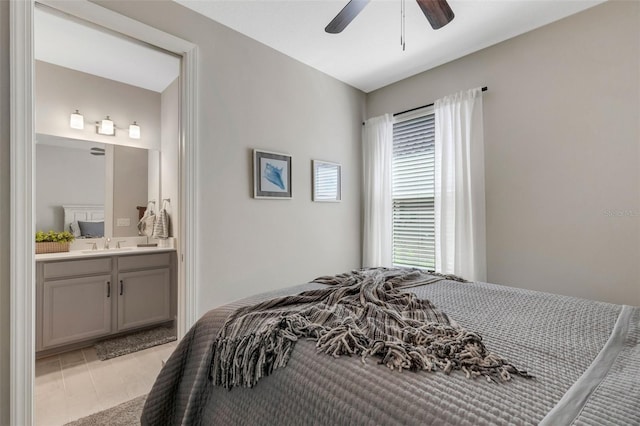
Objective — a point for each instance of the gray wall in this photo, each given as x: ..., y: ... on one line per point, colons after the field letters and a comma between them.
x: 561, y: 149
x: 66, y: 176
x: 4, y: 213
x: 254, y: 97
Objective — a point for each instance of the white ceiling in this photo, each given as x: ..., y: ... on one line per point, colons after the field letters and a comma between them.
x: 367, y: 54
x: 71, y: 44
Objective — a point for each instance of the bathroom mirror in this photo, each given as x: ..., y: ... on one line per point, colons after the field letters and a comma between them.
x: 71, y: 172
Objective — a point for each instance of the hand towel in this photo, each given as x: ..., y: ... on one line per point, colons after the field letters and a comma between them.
x: 145, y: 225
x: 161, y: 226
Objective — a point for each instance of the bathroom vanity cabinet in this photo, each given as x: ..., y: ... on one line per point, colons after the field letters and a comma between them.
x: 144, y: 290
x: 80, y: 299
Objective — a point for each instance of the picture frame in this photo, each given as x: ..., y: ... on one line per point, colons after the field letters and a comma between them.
x: 327, y: 182
x: 271, y: 175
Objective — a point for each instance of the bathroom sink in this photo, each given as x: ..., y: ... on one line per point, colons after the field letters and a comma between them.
x: 106, y: 251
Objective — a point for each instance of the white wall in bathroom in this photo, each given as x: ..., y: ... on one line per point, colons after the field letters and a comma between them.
x: 169, y: 137
x: 60, y: 91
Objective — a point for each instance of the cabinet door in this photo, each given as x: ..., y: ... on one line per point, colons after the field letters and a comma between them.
x: 76, y: 309
x: 143, y: 298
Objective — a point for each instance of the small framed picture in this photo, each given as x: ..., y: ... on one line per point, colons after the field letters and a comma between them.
x: 327, y: 181
x: 271, y: 175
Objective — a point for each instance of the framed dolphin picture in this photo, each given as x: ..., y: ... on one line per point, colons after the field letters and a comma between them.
x: 271, y: 175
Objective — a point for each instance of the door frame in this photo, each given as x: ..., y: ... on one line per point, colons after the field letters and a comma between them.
x: 22, y: 223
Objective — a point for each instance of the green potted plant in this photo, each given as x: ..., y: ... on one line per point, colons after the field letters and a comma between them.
x: 53, y: 242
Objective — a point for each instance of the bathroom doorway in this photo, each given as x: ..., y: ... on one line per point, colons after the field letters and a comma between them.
x: 173, y: 182
x: 109, y: 188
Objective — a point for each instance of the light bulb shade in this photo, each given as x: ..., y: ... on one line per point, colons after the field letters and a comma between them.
x: 106, y: 127
x: 76, y: 121
x: 134, y: 131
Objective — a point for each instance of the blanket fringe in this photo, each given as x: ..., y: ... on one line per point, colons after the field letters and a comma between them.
x: 431, y: 347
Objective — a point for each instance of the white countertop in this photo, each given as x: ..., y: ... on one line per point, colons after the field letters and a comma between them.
x: 83, y: 254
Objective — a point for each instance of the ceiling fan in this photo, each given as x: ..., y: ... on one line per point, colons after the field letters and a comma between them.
x: 437, y: 12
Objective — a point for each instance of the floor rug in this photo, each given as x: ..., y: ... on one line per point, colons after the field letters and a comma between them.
x: 119, y: 346
x: 126, y: 414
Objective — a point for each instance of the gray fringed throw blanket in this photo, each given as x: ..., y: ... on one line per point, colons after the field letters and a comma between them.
x: 361, y: 313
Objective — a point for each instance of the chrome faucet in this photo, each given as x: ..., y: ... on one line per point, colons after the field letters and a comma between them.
x: 106, y: 243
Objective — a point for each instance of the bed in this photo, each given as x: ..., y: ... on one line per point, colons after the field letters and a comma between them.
x: 74, y: 213
x: 585, y: 356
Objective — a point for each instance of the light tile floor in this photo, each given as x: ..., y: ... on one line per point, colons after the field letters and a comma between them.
x: 75, y: 384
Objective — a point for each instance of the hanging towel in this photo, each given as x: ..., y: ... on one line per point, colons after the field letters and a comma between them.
x: 161, y: 226
x: 145, y: 226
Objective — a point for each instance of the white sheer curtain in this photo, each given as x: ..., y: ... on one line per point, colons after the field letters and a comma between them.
x: 459, y: 182
x: 377, y: 155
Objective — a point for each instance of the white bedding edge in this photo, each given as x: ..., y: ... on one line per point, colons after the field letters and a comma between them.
x: 571, y: 404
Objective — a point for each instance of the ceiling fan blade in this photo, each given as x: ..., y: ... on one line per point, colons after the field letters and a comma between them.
x: 345, y: 16
x: 437, y: 12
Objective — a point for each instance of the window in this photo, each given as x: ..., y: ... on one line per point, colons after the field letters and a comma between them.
x: 413, y: 175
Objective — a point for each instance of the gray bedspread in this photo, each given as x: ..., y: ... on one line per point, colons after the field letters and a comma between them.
x: 555, y: 338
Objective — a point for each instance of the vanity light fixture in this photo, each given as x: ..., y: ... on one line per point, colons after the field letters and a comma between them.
x: 76, y: 121
x: 134, y: 130
x: 106, y: 127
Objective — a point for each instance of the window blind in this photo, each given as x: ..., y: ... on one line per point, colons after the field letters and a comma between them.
x: 413, y: 174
